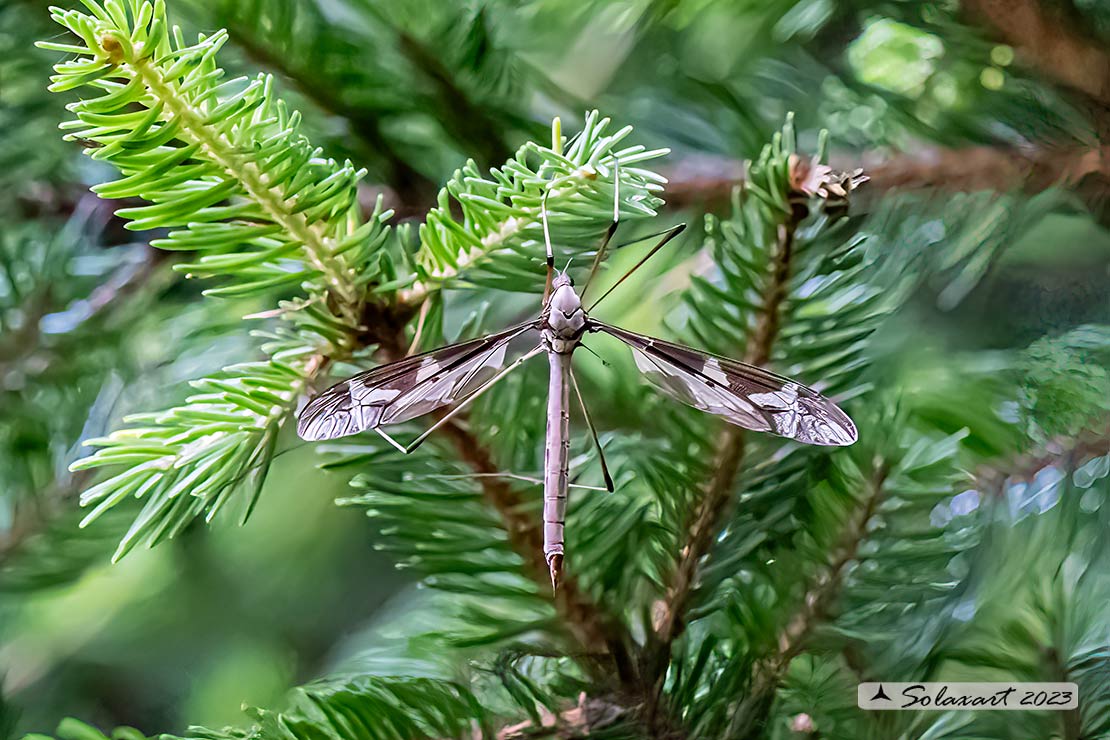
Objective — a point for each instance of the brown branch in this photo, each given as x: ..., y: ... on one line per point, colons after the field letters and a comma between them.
x: 29, y: 520
x: 467, y: 121
x: 594, y: 630
x: 1086, y: 170
x: 1046, y: 38
x: 123, y: 282
x: 587, y: 716
x: 825, y: 587
x: 730, y: 449
x: 818, y: 598
x: 1091, y: 443
x: 1071, y: 720
x: 598, y: 633
x: 707, y: 182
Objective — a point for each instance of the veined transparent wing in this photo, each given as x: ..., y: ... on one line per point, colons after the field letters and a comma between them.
x: 742, y: 394
x: 408, y: 388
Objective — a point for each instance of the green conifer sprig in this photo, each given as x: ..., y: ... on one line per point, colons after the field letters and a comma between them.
x: 189, y: 460
x: 224, y: 167
x: 223, y: 159
x: 501, y: 211
x: 929, y: 549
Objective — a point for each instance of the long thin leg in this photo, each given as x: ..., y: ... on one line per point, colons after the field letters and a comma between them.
x: 466, y: 401
x: 593, y: 433
x: 391, y: 441
x: 424, y: 307
x: 668, y: 235
x: 639, y: 239
x: 612, y: 228
x: 600, y: 359
x: 547, y: 243
x: 511, y: 476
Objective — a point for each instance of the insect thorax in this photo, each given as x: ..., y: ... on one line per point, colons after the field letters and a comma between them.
x: 565, y: 319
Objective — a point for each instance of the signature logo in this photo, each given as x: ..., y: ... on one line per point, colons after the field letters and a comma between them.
x: 941, y: 696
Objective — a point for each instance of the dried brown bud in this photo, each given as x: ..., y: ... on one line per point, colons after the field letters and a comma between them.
x: 811, y: 178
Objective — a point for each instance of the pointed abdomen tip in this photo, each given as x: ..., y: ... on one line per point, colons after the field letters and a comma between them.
x: 555, y: 563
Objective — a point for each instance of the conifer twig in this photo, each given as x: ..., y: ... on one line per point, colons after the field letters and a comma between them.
x: 715, y: 503
x: 411, y: 186
x: 595, y: 631
x: 470, y: 122
x: 27, y: 522
x: 825, y: 586
x: 708, y: 181
x: 1088, y: 444
x: 317, y: 245
x: 750, y: 717
x: 119, y: 287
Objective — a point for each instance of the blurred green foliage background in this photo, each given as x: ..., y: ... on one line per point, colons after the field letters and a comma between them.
x: 983, y: 129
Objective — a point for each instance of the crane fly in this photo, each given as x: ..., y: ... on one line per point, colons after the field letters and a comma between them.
x: 456, y: 375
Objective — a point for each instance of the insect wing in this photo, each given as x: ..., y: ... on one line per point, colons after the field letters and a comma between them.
x: 742, y: 394
x: 406, y: 389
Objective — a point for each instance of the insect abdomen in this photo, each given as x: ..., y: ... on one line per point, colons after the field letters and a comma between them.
x: 556, y: 460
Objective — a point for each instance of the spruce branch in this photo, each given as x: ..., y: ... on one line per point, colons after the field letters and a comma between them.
x: 265, y: 211
x: 191, y: 459
x: 713, y: 506
x: 716, y: 500
x: 1031, y: 169
x: 27, y: 522
x: 470, y: 122
x: 304, y: 26
x: 820, y: 593
x: 221, y: 158
x: 500, y: 211
x: 760, y: 289
x: 1087, y: 445
x: 66, y: 330
x: 595, y: 631
x: 395, y: 707
x: 222, y: 165
x: 111, y: 298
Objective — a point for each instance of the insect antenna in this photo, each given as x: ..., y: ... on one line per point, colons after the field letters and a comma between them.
x: 643, y: 238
